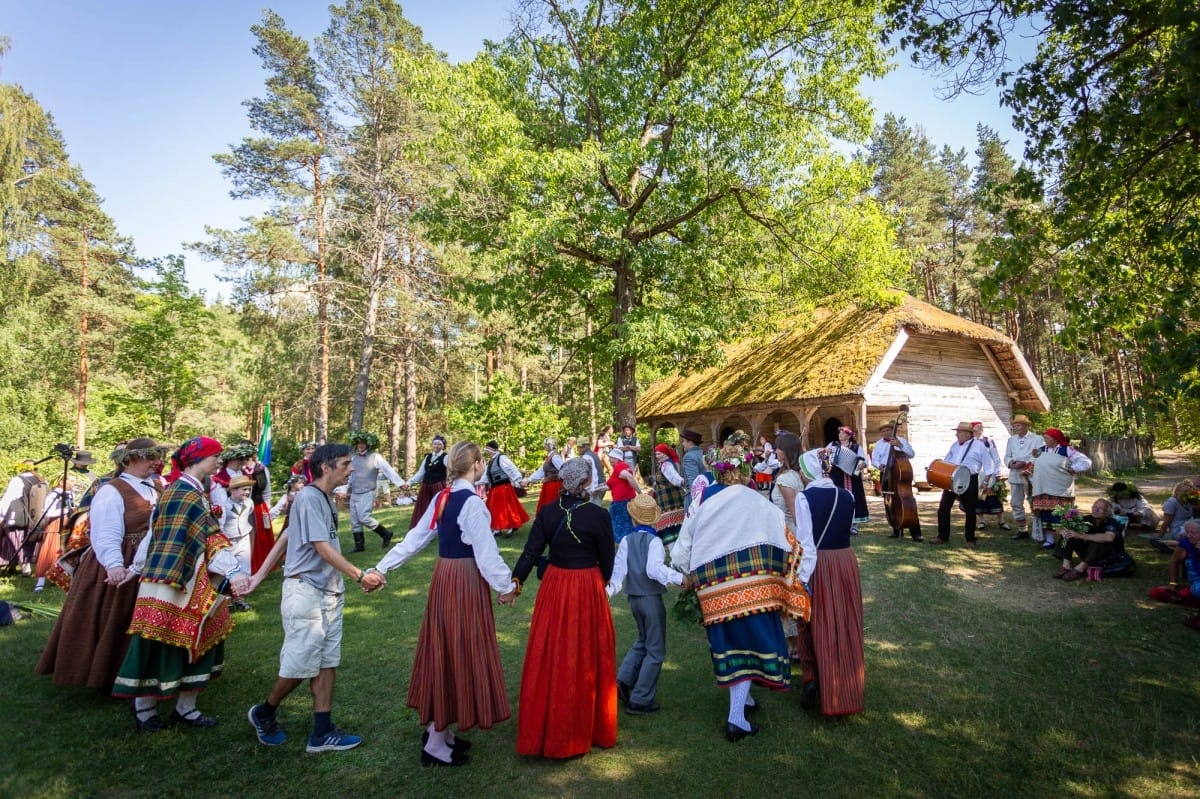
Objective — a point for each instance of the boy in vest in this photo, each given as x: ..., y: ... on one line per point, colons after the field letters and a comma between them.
x: 640, y: 563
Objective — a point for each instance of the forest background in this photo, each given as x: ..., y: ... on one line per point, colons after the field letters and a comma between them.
x: 509, y: 247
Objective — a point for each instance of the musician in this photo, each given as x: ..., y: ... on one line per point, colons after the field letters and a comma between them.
x: 846, y: 465
x: 965, y: 451
x: 1018, y: 457
x: 989, y: 504
x: 881, y: 456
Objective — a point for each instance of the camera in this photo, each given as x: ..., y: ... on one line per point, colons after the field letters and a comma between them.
x: 65, y: 451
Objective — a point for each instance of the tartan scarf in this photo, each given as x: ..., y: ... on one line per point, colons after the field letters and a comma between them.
x: 182, y: 524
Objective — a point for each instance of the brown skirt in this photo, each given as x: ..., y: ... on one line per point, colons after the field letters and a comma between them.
x: 89, y: 641
x: 457, y: 677
x: 424, y: 497
x: 831, y: 644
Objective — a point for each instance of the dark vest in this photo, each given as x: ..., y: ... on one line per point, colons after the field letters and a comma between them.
x: 450, y: 543
x: 496, y: 475
x: 637, y: 582
x: 435, y: 471
x: 835, y: 506
x: 549, y: 470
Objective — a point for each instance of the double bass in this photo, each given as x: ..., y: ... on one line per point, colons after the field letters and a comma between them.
x: 896, y: 478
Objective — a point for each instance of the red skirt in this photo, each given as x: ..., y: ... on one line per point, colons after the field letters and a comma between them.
x: 424, y: 497
x: 507, y: 511
x: 50, y: 549
x: 264, y: 536
x: 457, y: 677
x: 831, y: 644
x: 569, y: 682
x: 550, y: 491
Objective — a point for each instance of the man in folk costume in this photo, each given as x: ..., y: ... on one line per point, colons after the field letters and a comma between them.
x: 1053, y: 482
x: 735, y: 548
x: 431, y: 474
x: 364, y: 483
x: 507, y: 512
x: 692, y: 464
x: 965, y: 451
x: 989, y: 503
x: 832, y: 659
x: 1018, y: 457
x: 597, y: 488
x: 180, y: 621
x: 881, y: 455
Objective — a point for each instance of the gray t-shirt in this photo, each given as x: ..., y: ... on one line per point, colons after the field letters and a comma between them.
x: 313, y: 517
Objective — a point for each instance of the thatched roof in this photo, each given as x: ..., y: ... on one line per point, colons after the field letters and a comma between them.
x: 835, y: 355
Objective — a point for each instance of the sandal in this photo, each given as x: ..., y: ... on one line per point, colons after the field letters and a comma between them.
x: 1061, y: 573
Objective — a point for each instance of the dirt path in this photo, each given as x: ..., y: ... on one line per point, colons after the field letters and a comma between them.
x: 1174, y: 465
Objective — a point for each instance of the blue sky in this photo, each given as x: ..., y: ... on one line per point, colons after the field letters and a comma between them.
x: 147, y: 91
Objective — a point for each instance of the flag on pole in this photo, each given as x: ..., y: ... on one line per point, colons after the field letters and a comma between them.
x: 264, y: 440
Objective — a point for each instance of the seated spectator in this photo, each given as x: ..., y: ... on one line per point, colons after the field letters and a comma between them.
x: 1103, y: 543
x: 1127, y: 501
x: 1177, y: 511
x: 1187, y: 555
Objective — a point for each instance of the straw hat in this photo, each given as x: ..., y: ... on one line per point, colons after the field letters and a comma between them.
x: 1021, y: 418
x: 241, y: 481
x: 644, y: 510
x: 964, y: 427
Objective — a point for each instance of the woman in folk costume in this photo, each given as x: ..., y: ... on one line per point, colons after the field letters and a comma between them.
x: 89, y: 640
x: 831, y: 643
x: 668, y: 493
x: 788, y: 496
x: 180, y: 622
x: 548, y: 474
x: 1053, y: 480
x: 735, y: 548
x: 431, y: 475
x: 260, y: 499
x: 846, y: 464
x: 301, y: 468
x: 508, y: 514
x: 569, y: 681
x: 457, y: 676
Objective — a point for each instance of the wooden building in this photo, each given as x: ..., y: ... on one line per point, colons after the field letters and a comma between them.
x: 856, y: 367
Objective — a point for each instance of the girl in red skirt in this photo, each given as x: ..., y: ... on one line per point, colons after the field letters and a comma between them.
x: 548, y: 474
x: 457, y: 677
x: 501, y: 473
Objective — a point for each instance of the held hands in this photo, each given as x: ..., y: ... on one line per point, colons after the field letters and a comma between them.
x: 509, y: 598
x: 119, y: 575
x: 241, y: 585
x: 372, y: 581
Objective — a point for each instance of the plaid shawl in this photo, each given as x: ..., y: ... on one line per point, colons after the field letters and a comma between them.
x: 180, y: 530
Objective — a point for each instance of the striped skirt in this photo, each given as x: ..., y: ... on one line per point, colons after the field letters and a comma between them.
x: 831, y: 644
x: 569, y: 682
x: 424, y: 497
x: 507, y: 511
x: 457, y: 677
x: 670, y: 503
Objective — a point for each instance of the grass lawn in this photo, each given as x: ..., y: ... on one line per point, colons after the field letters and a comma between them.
x: 985, y: 677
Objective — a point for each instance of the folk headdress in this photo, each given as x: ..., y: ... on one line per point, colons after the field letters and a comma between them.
x: 669, y: 451
x: 190, y: 453
x: 363, y: 437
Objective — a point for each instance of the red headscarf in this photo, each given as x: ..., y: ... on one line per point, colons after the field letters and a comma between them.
x: 669, y: 451
x: 1057, y: 435
x: 191, y: 452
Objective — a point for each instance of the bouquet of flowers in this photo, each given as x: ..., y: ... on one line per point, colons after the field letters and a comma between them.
x: 1192, y: 497
x: 1071, y: 518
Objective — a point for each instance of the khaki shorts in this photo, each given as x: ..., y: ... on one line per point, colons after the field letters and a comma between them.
x: 312, y: 630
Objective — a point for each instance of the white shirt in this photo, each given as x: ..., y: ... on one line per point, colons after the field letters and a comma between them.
x: 107, y: 517
x: 973, y: 454
x: 656, y: 566
x: 476, y: 524
x: 769, y: 463
x: 672, y: 474
x: 506, y: 465
x: 540, y: 474
x: 883, y: 448
x: 1020, y: 448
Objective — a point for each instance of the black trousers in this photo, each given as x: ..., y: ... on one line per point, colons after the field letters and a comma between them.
x: 969, y: 499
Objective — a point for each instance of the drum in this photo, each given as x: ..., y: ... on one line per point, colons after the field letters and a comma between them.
x: 949, y: 476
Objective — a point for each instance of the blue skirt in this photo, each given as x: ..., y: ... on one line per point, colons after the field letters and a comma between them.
x: 751, y: 648
x: 622, y: 522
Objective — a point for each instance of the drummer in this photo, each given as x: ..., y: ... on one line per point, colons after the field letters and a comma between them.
x: 965, y: 451
x: 880, y: 455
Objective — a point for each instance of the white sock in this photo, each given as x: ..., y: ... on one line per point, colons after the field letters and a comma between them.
x: 737, y: 704
x: 146, y: 706
x: 185, y: 705
x: 438, y: 745
x: 750, y: 700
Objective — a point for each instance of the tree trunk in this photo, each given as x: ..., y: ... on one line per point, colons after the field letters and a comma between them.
x: 624, y: 368
x: 409, y: 361
x: 81, y: 389
x: 322, y: 307
x: 367, y: 354
x: 591, y: 381
x: 396, y: 420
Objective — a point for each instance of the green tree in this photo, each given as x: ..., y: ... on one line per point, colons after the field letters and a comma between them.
x: 655, y: 166
x: 515, y: 419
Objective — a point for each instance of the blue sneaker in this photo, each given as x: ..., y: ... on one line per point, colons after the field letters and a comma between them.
x: 268, y: 732
x: 333, y: 741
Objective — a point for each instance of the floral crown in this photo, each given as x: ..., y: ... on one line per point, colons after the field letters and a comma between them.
x: 731, y: 457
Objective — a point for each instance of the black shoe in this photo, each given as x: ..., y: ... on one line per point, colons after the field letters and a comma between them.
x: 810, y: 695
x: 152, y: 724
x: 895, y: 534
x: 918, y: 540
x: 459, y: 745
x: 634, y: 709
x: 456, y: 759
x: 1020, y: 535
x: 1005, y: 526
x: 509, y: 533
x: 748, y: 709
x: 734, y: 733
x: 385, y: 536
x: 198, y: 720
x: 359, y: 548
x: 623, y: 692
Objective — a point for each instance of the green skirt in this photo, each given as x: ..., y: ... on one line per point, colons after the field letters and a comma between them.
x: 152, y: 668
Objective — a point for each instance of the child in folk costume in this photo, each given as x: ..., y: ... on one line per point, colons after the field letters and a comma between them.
x: 1053, y: 481
x: 640, y: 565
x: 281, y: 508
x: 669, y: 492
x: 237, y: 523
x: 508, y: 514
x: 989, y: 503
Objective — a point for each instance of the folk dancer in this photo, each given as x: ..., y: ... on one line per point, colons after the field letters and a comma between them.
x: 1053, y: 481
x: 965, y: 451
x: 989, y: 502
x: 548, y: 474
x: 1018, y: 457
x: 431, y: 474
x: 507, y: 512
x: 367, y: 464
x: 692, y: 463
x: 880, y: 456
x: 668, y: 493
x: 301, y: 468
